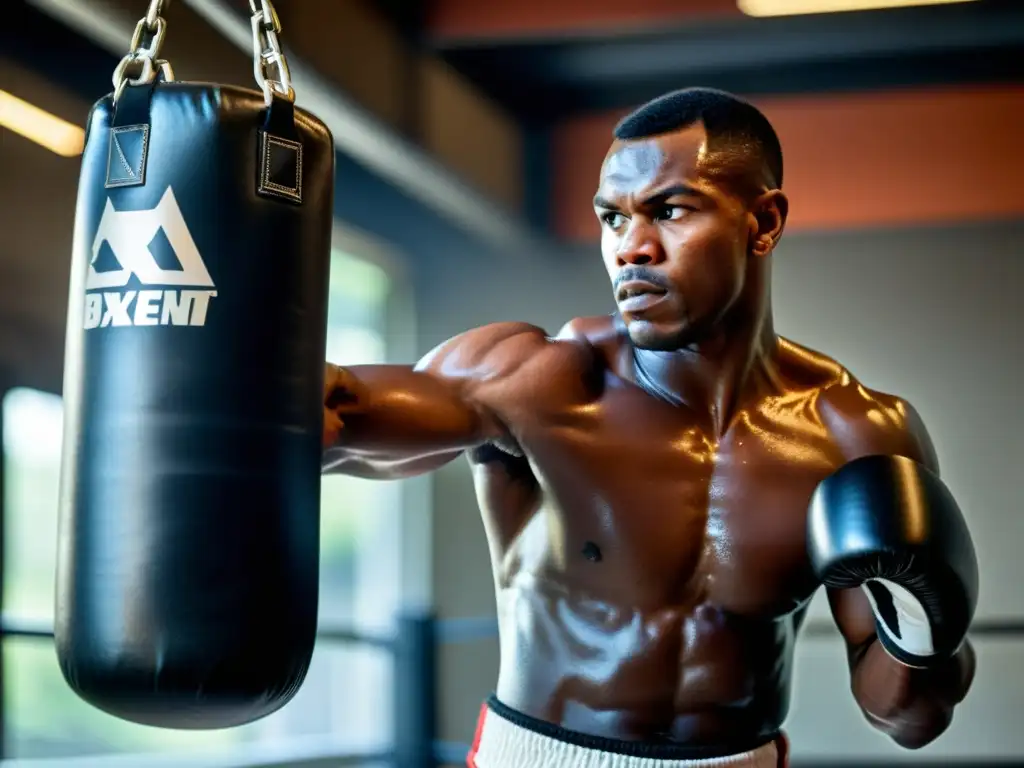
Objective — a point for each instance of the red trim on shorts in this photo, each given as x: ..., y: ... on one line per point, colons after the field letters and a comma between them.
x: 782, y: 745
x: 475, y: 746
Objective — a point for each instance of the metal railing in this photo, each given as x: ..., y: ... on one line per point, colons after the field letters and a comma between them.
x: 304, y: 753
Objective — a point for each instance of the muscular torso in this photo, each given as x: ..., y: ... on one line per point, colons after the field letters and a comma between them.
x: 651, y: 575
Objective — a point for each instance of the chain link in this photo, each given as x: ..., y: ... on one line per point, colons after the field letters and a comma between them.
x: 142, y: 63
x: 269, y: 64
x: 156, y: 8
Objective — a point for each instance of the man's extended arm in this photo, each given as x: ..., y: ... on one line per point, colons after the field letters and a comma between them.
x: 389, y: 421
x: 911, y: 702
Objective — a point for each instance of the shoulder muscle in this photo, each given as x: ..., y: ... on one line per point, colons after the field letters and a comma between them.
x: 473, y: 352
x: 866, y: 422
x: 493, y: 357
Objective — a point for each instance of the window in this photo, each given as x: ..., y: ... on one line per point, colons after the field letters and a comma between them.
x: 346, y: 696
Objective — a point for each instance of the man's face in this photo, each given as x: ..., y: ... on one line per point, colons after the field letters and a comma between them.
x: 675, y: 238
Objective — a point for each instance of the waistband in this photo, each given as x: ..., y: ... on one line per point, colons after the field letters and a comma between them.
x: 506, y: 738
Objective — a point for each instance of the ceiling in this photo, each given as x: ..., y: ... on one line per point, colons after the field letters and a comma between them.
x: 544, y: 65
x: 545, y: 60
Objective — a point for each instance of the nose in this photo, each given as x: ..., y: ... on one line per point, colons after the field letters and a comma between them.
x: 640, y: 245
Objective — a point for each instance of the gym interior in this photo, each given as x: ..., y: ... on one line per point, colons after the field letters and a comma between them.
x: 468, y: 138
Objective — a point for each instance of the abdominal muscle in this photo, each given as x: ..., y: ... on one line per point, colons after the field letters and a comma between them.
x: 687, y: 674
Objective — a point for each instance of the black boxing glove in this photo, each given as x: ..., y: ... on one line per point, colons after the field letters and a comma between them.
x: 889, y: 525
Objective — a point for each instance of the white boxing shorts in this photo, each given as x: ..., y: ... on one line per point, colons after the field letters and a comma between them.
x: 508, y: 739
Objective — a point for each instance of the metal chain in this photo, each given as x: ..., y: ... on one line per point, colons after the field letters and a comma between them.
x: 142, y: 63
x: 269, y: 64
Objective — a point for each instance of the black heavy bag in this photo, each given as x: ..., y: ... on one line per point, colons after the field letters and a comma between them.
x: 189, y: 517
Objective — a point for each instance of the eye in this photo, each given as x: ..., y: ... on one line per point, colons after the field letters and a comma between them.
x: 612, y: 219
x: 671, y: 212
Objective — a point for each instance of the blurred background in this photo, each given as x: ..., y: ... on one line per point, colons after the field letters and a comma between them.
x: 469, y: 135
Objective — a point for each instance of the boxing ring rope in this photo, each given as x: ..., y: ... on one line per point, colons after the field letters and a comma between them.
x: 414, y: 646
x: 310, y: 753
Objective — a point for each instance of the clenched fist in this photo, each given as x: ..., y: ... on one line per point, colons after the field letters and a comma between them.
x: 340, y: 398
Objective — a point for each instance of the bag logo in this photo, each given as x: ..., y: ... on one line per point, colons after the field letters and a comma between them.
x: 128, y: 243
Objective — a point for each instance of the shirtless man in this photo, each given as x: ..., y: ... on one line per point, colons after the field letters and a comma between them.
x: 664, y: 490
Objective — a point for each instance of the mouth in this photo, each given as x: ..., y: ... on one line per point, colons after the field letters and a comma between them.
x: 638, y: 288
x: 638, y: 295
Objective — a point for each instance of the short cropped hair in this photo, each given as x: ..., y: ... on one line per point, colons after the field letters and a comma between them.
x: 732, y: 125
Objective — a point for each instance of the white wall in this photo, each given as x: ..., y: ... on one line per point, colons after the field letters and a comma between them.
x: 931, y: 315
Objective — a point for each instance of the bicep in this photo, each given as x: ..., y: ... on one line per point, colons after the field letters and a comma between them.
x: 499, y: 367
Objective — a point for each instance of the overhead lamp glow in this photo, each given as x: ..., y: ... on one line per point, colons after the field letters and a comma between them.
x: 798, y: 7
x: 38, y: 125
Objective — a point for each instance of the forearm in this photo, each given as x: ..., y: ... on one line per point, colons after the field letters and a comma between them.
x: 394, y: 416
x: 912, y: 706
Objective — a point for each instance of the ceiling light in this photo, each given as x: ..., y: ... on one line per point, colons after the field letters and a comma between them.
x: 797, y: 7
x: 35, y: 124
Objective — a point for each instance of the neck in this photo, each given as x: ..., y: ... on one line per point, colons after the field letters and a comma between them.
x: 717, y: 376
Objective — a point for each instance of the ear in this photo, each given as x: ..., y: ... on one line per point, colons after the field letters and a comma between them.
x: 769, y: 220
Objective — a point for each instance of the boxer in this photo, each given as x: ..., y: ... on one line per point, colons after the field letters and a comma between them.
x: 665, y: 489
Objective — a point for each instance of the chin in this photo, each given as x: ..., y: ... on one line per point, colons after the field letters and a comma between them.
x: 658, y: 338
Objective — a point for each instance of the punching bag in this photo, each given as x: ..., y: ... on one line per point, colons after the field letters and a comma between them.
x: 187, y: 579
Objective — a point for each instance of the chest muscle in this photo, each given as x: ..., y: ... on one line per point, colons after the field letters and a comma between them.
x: 639, y: 507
